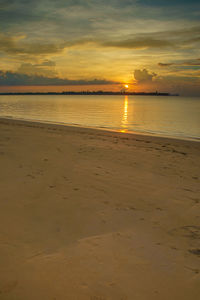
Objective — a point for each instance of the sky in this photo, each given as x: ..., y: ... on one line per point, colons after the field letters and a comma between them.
x: 56, y: 45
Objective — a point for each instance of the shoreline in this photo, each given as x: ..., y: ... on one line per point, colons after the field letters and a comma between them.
x: 103, y: 129
x: 92, y: 214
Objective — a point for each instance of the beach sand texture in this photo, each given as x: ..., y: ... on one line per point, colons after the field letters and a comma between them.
x: 88, y: 214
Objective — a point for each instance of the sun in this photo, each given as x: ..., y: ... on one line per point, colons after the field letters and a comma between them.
x: 126, y: 86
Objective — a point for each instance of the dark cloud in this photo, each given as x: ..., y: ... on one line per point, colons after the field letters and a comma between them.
x: 48, y: 63
x: 13, y: 79
x: 139, y: 43
x: 15, y: 45
x: 164, y: 39
x: 18, y: 45
x: 72, y: 17
x: 168, y: 3
x: 142, y: 76
x: 165, y: 64
x: 194, y: 62
x: 6, y: 42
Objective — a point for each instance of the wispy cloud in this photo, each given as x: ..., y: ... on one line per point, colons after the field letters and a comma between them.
x: 19, y: 45
x: 15, y: 45
x: 140, y: 43
x: 194, y: 62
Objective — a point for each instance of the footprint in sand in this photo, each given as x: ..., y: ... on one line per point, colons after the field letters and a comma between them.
x: 31, y: 176
x: 195, y: 251
x: 8, y: 287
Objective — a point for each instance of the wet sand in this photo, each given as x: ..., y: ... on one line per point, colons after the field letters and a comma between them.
x: 89, y: 214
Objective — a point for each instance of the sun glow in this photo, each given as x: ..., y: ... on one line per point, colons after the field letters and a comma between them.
x: 126, y: 86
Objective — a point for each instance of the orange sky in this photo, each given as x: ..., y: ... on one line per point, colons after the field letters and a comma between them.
x: 80, y: 45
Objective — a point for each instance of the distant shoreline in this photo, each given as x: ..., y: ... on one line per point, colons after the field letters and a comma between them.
x: 93, y: 93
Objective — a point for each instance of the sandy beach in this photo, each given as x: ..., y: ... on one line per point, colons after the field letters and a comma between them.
x: 89, y: 214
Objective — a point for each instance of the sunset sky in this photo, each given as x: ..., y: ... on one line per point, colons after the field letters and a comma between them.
x: 100, y: 44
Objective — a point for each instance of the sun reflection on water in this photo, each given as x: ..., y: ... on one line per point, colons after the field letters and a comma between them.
x: 125, y: 115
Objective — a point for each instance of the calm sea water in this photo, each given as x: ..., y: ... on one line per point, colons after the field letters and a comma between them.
x: 171, y: 116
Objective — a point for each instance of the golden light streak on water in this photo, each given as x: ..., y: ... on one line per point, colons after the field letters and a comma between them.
x: 125, y: 115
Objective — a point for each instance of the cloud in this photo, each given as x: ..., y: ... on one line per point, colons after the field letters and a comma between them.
x: 92, y: 38
x: 51, y: 26
x: 48, y: 63
x: 23, y: 45
x: 14, y: 79
x: 174, y: 39
x: 168, y: 3
x: 165, y: 64
x: 14, y: 45
x: 192, y: 63
x: 18, y: 45
x: 45, y: 69
x: 142, y: 43
x: 143, y: 76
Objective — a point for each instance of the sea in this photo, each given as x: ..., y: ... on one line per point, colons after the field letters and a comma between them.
x: 173, y: 116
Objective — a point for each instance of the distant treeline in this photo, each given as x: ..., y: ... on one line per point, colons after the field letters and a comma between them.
x: 92, y: 93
